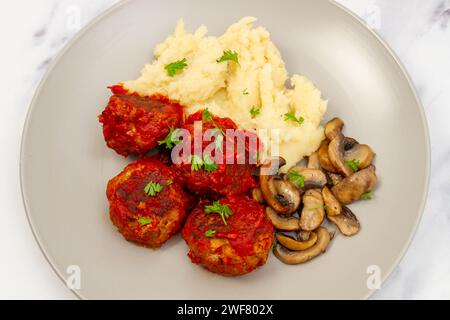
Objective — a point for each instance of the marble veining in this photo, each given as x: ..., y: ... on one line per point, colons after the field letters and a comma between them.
x: 417, y: 30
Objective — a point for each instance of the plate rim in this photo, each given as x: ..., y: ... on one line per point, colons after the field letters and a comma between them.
x: 372, y: 32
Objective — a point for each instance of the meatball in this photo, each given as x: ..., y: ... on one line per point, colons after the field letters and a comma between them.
x: 232, y: 249
x: 133, y: 124
x: 147, y: 203
x: 228, y: 177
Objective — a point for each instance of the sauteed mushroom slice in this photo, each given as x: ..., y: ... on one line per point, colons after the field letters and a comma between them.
x: 336, y: 154
x: 282, y: 223
x: 287, y: 194
x: 333, y: 179
x: 332, y: 205
x: 313, y: 178
x: 362, y: 153
x: 313, y: 161
x: 279, y: 195
x: 257, y: 195
x: 333, y: 128
x: 294, y: 244
x: 353, y: 187
x: 304, y: 235
x: 298, y: 257
x: 346, y: 222
x: 313, y: 212
x: 324, y: 160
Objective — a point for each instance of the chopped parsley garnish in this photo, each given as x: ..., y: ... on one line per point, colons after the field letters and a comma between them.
x: 152, y: 189
x: 229, y: 55
x: 367, y: 196
x: 144, y: 221
x: 210, y: 233
x: 245, y: 92
x: 174, y: 67
x: 171, y: 140
x: 218, y: 141
x: 206, y: 163
x: 169, y: 182
x: 255, y: 111
x: 207, y: 117
x: 196, y: 163
x: 354, y: 164
x: 296, y: 178
x: 221, y: 209
x: 290, y: 116
x: 209, y: 165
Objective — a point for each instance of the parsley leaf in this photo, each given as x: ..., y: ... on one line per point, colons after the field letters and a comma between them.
x: 152, y: 189
x: 172, y: 68
x: 229, y: 55
x: 290, y: 116
x: 296, y: 178
x: 209, y: 165
x: 255, y: 111
x: 218, y: 141
x: 196, y: 163
x: 367, y: 196
x: 207, y: 116
x: 354, y: 164
x: 210, y: 233
x: 223, y: 210
x: 171, y: 140
x: 144, y: 221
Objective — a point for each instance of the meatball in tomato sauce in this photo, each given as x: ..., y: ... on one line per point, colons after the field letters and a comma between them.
x: 147, y: 204
x: 232, y: 244
x: 227, y: 177
x: 133, y: 124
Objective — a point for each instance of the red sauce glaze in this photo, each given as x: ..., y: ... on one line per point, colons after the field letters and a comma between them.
x: 129, y: 202
x: 228, y: 178
x: 248, y: 232
x: 133, y: 124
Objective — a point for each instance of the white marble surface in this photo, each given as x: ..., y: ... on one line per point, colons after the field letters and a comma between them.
x: 32, y: 32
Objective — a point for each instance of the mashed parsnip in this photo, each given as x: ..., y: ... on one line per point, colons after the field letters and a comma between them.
x: 233, y: 90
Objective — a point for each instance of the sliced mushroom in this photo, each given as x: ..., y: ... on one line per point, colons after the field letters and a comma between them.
x: 278, y: 195
x: 287, y: 194
x: 346, y: 222
x: 304, y: 235
x: 332, y: 205
x: 313, y: 161
x: 324, y: 160
x: 334, y: 179
x: 313, y: 178
x: 295, y: 245
x: 313, y: 212
x: 257, y: 195
x: 362, y: 153
x: 349, y: 143
x: 333, y: 128
x: 298, y: 257
x: 336, y: 151
x: 282, y: 223
x: 353, y: 187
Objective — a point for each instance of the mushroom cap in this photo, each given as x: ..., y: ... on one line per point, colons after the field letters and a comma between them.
x: 313, y: 212
x: 294, y: 244
x: 346, y: 222
x: 298, y: 257
x: 332, y: 205
x: 352, y: 188
x: 282, y: 223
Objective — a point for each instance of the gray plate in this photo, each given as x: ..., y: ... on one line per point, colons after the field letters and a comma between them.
x: 65, y: 164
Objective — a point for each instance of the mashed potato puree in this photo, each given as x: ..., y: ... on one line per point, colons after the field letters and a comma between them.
x: 231, y: 90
